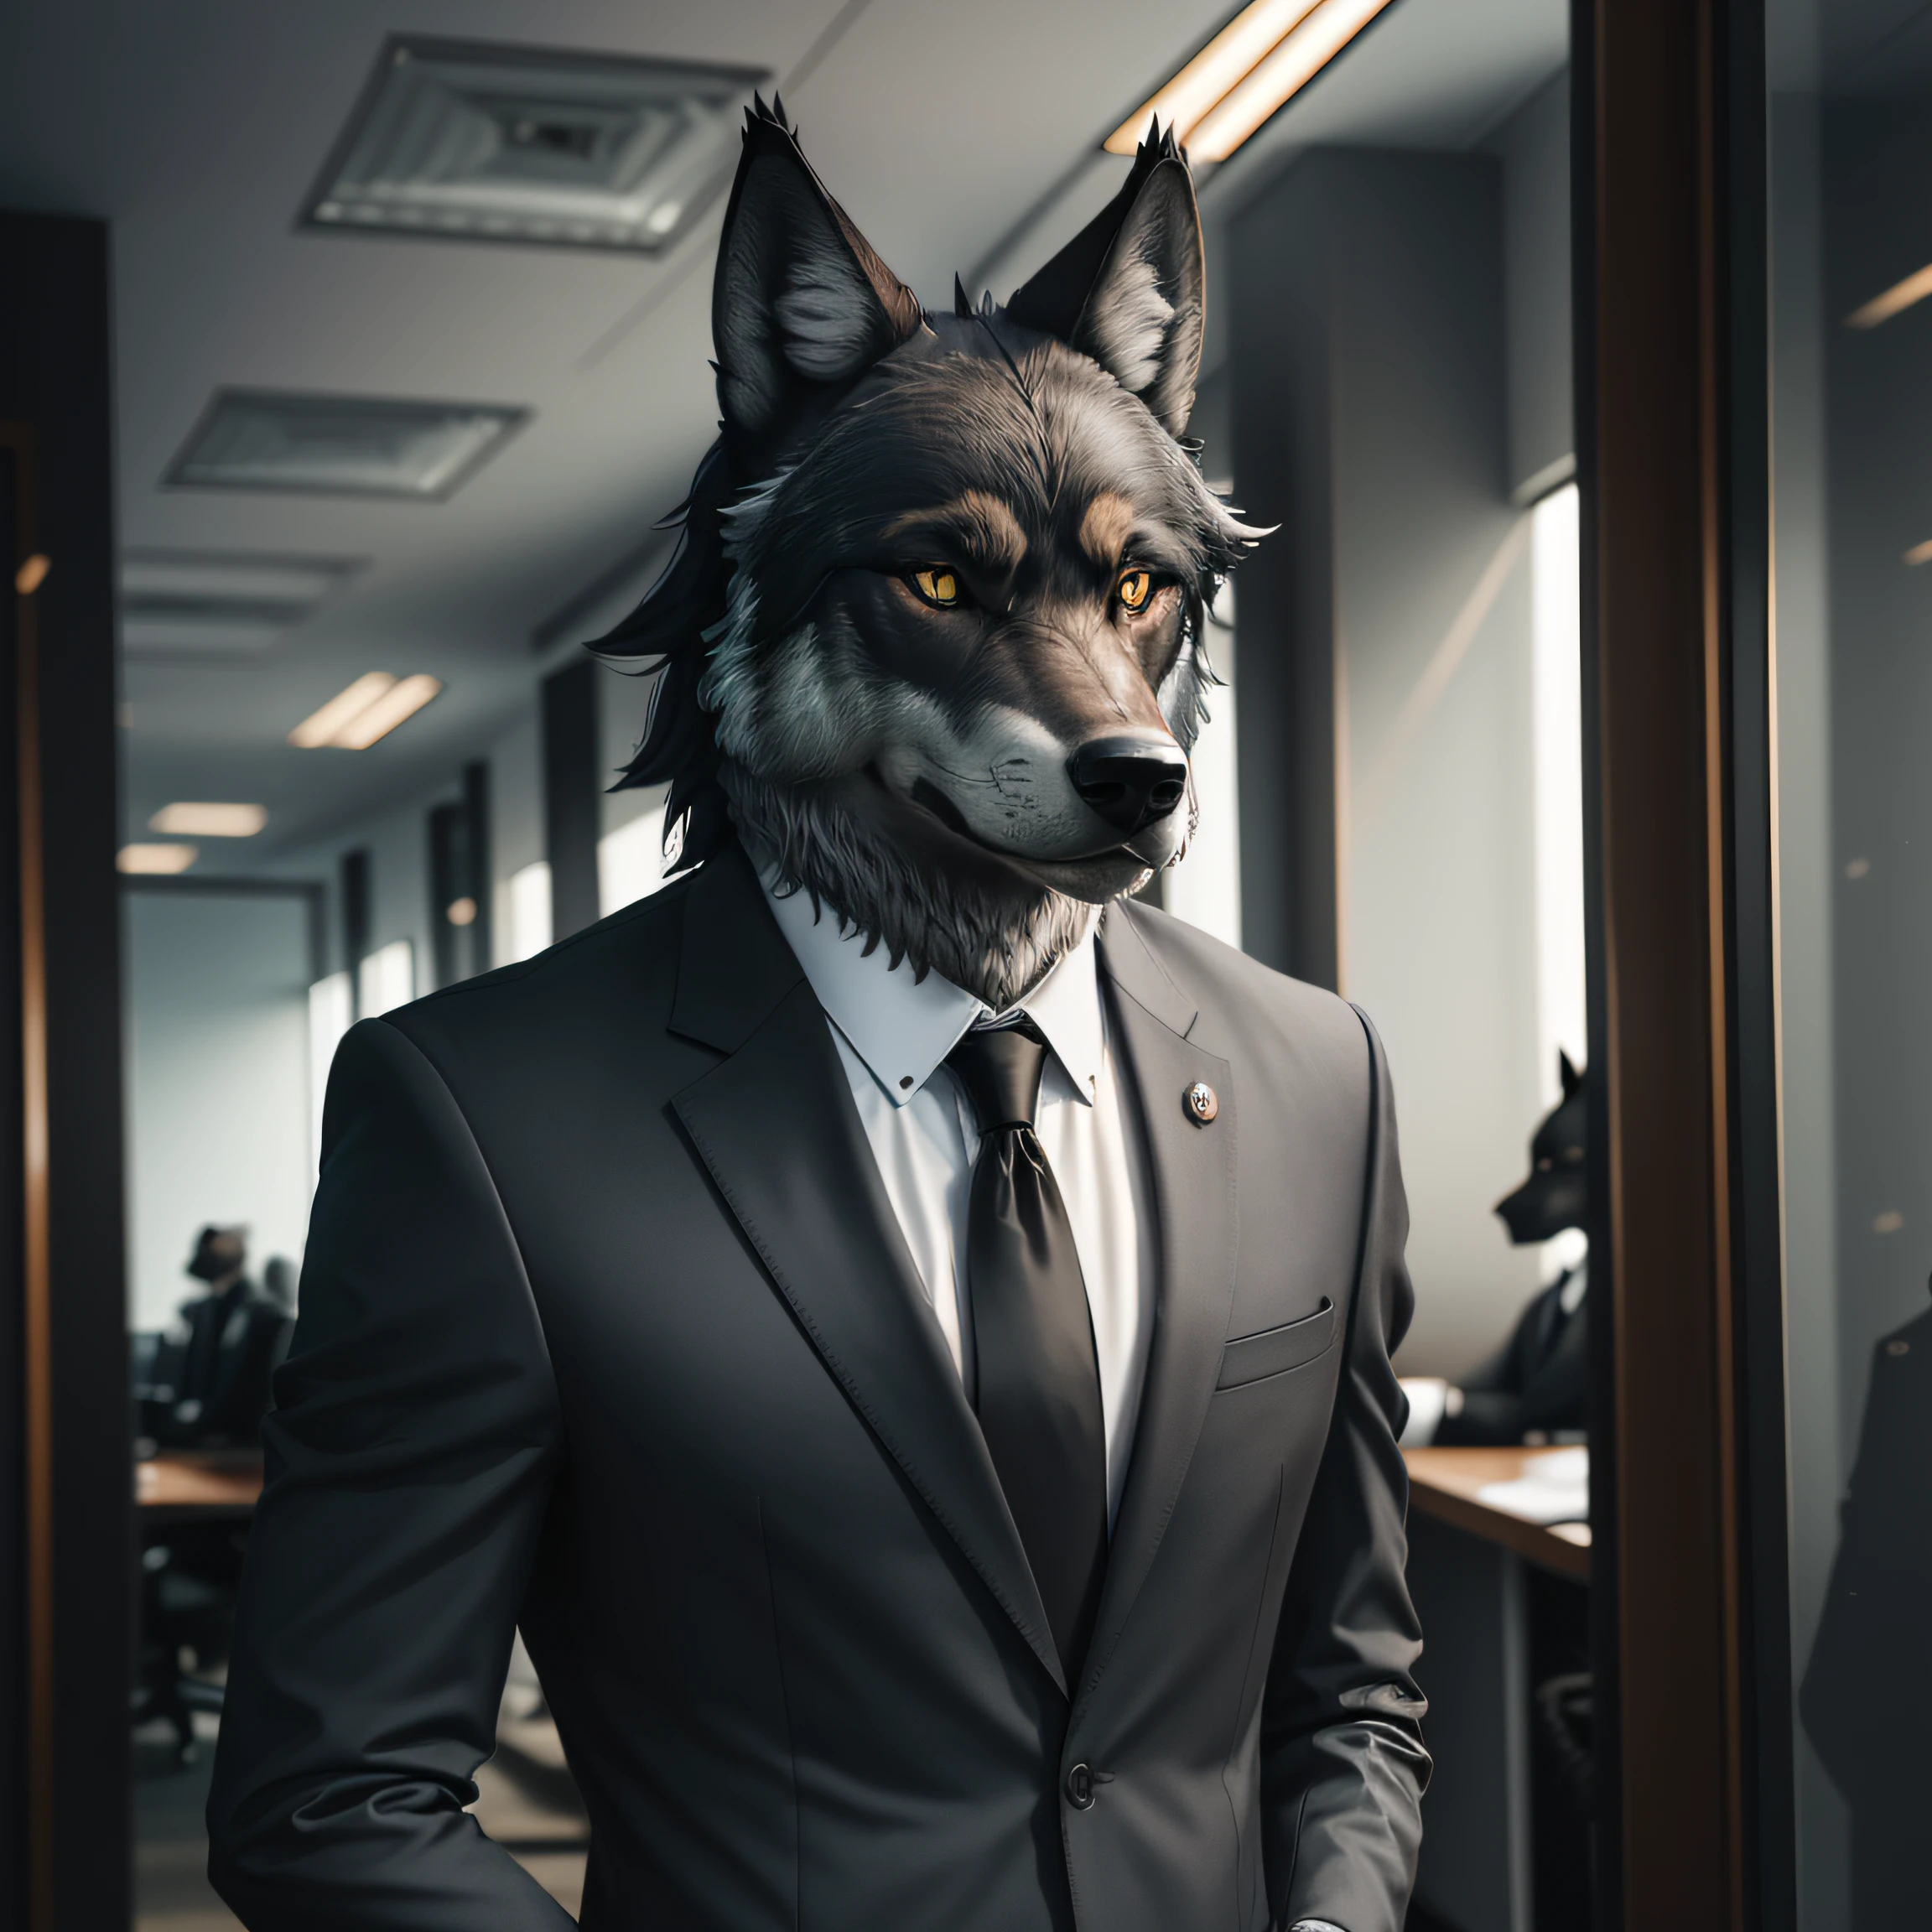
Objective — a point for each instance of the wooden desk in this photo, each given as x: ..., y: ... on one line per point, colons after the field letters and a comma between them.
x: 1472, y: 1593
x: 1443, y: 1483
x: 186, y: 1485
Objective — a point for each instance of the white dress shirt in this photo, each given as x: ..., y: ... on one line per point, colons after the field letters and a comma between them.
x: 893, y: 1034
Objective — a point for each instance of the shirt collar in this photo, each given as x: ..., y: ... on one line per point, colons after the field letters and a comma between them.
x: 903, y: 1027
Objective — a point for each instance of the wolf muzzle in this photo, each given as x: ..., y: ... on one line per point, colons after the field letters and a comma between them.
x: 1131, y: 780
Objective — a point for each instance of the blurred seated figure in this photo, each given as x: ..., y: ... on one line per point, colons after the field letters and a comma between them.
x: 209, y: 1386
x: 203, y: 1385
x: 278, y: 1283
x: 1865, y: 1708
x: 1536, y: 1386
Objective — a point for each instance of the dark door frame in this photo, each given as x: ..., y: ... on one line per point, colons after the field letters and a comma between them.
x: 1688, y: 1473
x: 68, y: 1621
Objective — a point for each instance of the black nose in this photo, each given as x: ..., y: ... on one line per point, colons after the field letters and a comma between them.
x: 1129, y: 780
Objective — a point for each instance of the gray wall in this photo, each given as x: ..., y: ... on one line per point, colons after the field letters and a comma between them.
x: 217, y: 1057
x: 1384, y: 646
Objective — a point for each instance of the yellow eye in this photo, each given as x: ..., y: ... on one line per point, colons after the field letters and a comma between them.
x: 938, y: 586
x: 1136, y: 589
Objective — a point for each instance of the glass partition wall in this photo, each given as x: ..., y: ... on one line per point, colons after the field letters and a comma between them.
x: 1850, y: 127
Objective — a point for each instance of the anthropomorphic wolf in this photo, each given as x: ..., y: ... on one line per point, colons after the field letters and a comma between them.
x: 903, y: 1328
x: 1536, y: 1386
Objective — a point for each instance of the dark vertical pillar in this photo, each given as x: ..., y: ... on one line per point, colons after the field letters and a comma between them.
x: 571, y: 813
x: 482, y: 878
x: 355, y: 890
x: 66, y: 1521
x: 1283, y: 602
x: 452, y: 911
x: 1368, y: 429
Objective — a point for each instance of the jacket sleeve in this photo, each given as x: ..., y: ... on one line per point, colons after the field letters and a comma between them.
x: 409, y: 1459
x: 1344, y: 1769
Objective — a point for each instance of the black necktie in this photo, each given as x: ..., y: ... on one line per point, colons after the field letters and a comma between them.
x: 1039, y: 1384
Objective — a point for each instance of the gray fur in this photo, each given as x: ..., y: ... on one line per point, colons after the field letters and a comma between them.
x: 825, y: 316
x: 941, y: 925
x: 1129, y: 331
x: 906, y: 760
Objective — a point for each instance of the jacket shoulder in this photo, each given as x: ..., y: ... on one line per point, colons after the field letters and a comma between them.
x: 1244, y: 1005
x: 629, y: 957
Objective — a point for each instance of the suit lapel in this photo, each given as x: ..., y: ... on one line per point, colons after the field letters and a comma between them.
x: 1193, y: 1175
x: 774, y: 1125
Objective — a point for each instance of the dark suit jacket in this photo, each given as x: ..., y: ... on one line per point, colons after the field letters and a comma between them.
x: 1865, y: 1708
x: 608, y: 1329
x: 1540, y: 1379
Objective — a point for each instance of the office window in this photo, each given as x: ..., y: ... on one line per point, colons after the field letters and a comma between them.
x: 631, y: 861
x: 1557, y: 698
x: 526, y: 931
x: 387, y: 979
x: 332, y: 1012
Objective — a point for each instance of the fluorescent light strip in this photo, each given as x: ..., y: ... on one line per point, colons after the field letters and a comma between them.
x: 321, y: 727
x: 377, y: 720
x: 1280, y: 76
x: 1900, y: 296
x: 156, y: 861
x: 192, y: 820
x: 1214, y: 70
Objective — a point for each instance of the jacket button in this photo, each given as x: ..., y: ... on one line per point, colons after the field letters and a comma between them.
x: 1080, y: 1787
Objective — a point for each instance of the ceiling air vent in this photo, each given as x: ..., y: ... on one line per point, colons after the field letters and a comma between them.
x: 465, y: 142
x: 193, y: 606
x: 340, y: 445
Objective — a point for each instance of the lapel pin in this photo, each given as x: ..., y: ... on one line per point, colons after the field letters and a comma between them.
x: 1201, y: 1103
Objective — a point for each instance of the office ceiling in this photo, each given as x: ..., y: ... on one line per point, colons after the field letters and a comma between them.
x: 198, y: 130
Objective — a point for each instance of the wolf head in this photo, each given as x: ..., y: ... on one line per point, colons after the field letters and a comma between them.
x: 1556, y: 1196
x: 931, y: 639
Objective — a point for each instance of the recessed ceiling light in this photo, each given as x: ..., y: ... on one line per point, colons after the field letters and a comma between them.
x: 1899, y: 297
x: 340, y: 445
x: 32, y: 574
x: 155, y: 860
x: 319, y: 727
x: 377, y: 720
x: 1920, y: 552
x: 205, y: 820
x: 466, y: 142
x: 368, y: 710
x: 1254, y: 31
x: 1259, y: 60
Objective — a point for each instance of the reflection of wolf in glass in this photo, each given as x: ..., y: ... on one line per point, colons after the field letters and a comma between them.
x: 674, y: 1296
x: 1866, y: 1707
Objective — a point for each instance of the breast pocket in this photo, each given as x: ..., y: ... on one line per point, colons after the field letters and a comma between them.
x: 1275, y: 1351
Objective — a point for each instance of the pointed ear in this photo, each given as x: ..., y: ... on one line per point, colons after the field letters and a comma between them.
x: 1130, y: 289
x: 1571, y: 1077
x: 801, y: 303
